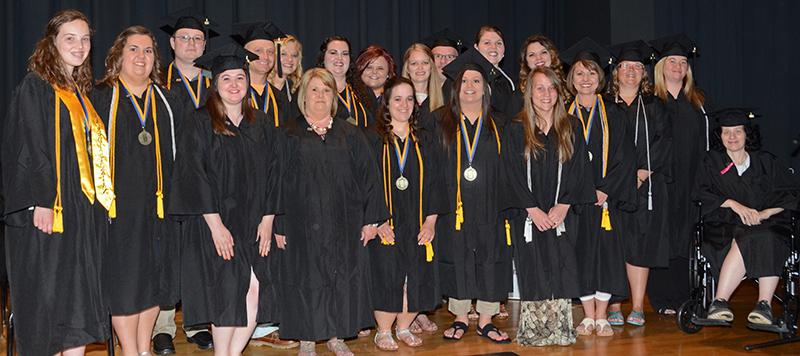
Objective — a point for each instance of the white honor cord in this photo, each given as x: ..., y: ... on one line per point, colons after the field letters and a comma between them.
x: 640, y: 105
x: 513, y: 87
x: 171, y: 120
x: 561, y: 228
x: 708, y: 144
x: 528, y: 220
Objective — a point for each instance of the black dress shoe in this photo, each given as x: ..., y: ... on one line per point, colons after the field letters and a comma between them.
x: 203, y: 340
x: 162, y: 344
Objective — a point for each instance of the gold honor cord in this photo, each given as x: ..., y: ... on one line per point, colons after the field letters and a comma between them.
x: 113, y: 139
x: 459, y: 203
x: 350, y: 103
x: 186, y: 84
x: 271, y: 97
x: 605, y: 221
x: 95, y: 180
x: 387, y: 189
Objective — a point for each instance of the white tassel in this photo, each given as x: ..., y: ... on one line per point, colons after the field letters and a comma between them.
x: 528, y: 229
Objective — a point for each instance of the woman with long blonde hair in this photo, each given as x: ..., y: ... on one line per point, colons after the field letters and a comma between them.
x: 546, y: 162
x: 686, y: 106
x: 419, y: 67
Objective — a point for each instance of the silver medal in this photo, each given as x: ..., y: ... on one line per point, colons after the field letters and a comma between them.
x: 145, y: 138
x: 401, y: 183
x: 470, y: 174
x: 590, y: 156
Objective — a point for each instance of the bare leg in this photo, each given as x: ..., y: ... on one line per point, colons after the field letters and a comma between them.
x: 589, y: 309
x: 222, y: 339
x: 731, y: 273
x: 75, y: 351
x: 147, y: 319
x: 125, y: 326
x: 766, y: 287
x: 241, y: 335
x: 637, y: 277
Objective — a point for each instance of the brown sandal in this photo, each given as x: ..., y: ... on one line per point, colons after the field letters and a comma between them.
x: 339, y: 348
x: 408, y: 338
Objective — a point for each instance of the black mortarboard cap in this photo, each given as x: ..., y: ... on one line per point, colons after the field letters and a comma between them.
x: 634, y: 51
x: 228, y: 56
x: 186, y: 18
x: 587, y: 49
x: 734, y: 116
x: 476, y: 60
x: 675, y: 45
x: 444, y: 38
x: 246, y: 32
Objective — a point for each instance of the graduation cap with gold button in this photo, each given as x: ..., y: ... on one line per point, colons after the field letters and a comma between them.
x: 675, y: 45
x: 634, y: 51
x: 474, y: 60
x: 246, y: 32
x: 734, y: 117
x: 587, y: 49
x: 229, y: 56
x: 187, y: 18
x: 444, y: 38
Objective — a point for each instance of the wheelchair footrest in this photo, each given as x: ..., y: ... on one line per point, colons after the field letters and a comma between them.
x: 772, y: 328
x: 710, y: 322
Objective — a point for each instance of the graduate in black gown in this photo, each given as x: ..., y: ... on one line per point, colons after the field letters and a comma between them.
x: 611, y: 154
x: 646, y: 238
x: 404, y: 269
x: 333, y: 203
x: 334, y: 55
x: 140, y: 116
x: 550, y: 178
x: 474, y: 255
x: 374, y: 67
x: 748, y: 197
x: 56, y: 196
x: 189, y: 33
x: 225, y: 189
x: 445, y: 46
x: 537, y: 51
x: 686, y: 105
x: 287, y: 79
x: 263, y: 39
x: 418, y: 66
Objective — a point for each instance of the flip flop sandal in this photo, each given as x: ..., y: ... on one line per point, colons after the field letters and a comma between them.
x: 339, y: 348
x: 384, y: 341
x: 456, y: 326
x: 408, y: 338
x: 635, y: 318
x: 486, y: 329
x: 604, y: 328
x: 586, y: 327
x: 615, y: 318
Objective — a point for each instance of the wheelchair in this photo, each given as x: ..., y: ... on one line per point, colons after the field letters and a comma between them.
x: 692, y: 316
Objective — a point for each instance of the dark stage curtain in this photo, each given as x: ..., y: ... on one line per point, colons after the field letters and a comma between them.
x: 746, y: 47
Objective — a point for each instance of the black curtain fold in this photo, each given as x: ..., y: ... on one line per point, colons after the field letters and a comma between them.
x: 747, y: 47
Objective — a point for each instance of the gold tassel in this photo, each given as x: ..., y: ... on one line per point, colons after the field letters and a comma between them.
x: 508, y: 233
x: 112, y: 211
x: 459, y: 215
x: 428, y: 252
x: 160, y: 205
x: 605, y: 222
x: 58, y: 219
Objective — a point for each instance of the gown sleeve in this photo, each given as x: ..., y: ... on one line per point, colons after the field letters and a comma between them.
x: 27, y: 157
x: 515, y: 180
x: 366, y: 170
x: 620, y: 180
x: 577, y: 186
x: 273, y: 170
x: 707, y: 191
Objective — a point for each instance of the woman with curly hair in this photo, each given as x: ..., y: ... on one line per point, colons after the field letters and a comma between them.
x: 374, y: 67
x: 404, y: 278
x: 57, y: 190
x: 538, y: 51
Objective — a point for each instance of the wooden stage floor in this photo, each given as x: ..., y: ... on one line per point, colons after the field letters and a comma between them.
x: 659, y: 336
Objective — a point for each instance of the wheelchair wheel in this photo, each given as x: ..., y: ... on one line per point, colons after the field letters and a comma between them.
x: 685, y: 314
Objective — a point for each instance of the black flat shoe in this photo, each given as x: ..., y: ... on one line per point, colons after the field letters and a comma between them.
x: 162, y: 344
x: 720, y: 310
x: 761, y: 314
x: 203, y: 340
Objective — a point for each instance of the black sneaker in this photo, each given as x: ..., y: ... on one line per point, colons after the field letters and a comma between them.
x: 761, y: 314
x: 162, y: 344
x: 203, y: 340
x: 720, y: 310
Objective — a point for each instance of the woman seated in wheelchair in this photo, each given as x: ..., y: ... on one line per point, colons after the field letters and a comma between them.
x: 747, y: 195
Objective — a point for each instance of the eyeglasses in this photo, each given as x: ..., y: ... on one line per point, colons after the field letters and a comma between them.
x: 187, y: 38
x: 449, y: 57
x: 632, y: 66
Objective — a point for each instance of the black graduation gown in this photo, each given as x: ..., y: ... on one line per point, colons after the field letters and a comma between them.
x: 142, y: 257
x: 54, y: 279
x: 332, y: 189
x: 352, y: 116
x: 647, y: 232
x: 765, y: 184
x: 281, y: 100
x: 475, y: 262
x: 287, y: 101
x: 688, y: 148
x: 547, y: 267
x: 404, y: 262
x: 180, y: 93
x: 237, y: 178
x: 600, y: 252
